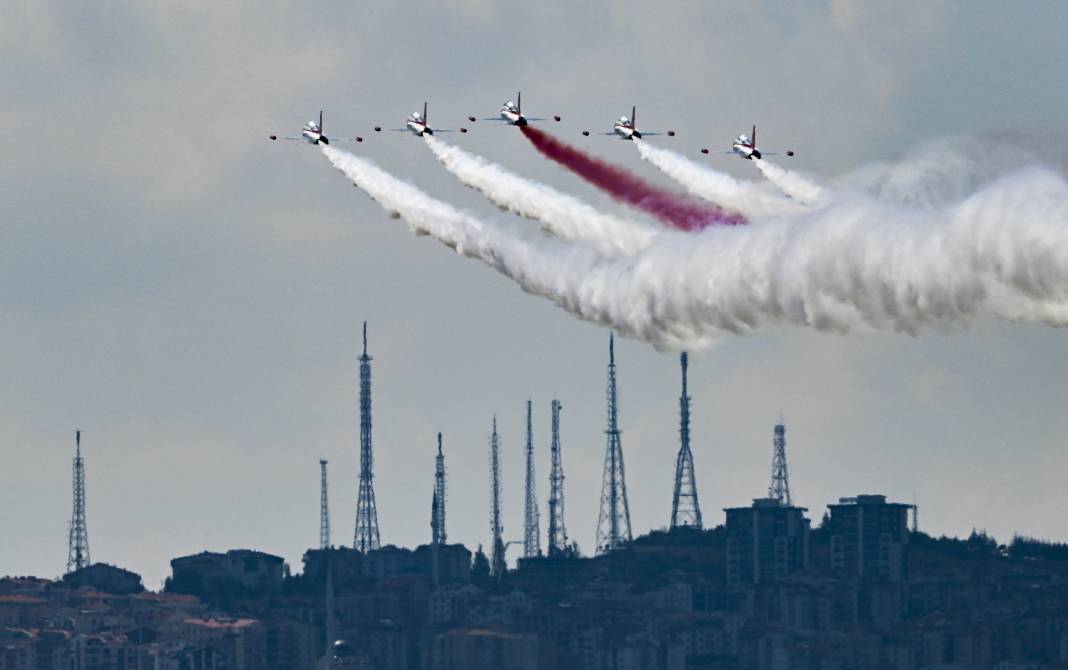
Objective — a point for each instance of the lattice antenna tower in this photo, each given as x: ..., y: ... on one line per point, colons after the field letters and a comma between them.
x: 780, y: 476
x: 531, y: 525
x: 685, y: 507
x: 78, y: 540
x: 367, y: 538
x: 613, y: 522
x: 497, y: 564
x: 557, y: 529
x: 324, y: 508
x: 439, y: 496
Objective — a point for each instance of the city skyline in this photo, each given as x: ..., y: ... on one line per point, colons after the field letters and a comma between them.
x: 513, y: 494
x: 193, y: 301
x: 769, y: 500
x: 859, y: 588
x: 778, y: 490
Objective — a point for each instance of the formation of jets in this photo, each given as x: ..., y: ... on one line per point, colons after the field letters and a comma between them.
x: 511, y: 113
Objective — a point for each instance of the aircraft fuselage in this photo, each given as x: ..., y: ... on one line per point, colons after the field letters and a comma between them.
x: 419, y: 129
x: 314, y: 136
x: 513, y: 117
x: 745, y: 151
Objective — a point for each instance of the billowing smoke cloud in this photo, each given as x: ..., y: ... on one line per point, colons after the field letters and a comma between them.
x: 851, y: 264
x: 563, y: 215
x: 718, y: 187
x: 792, y: 184
x: 944, y: 170
x: 673, y: 209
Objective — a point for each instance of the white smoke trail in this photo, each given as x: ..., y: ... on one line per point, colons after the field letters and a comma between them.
x: 562, y: 215
x: 717, y: 187
x: 854, y: 264
x: 540, y: 266
x: 946, y: 169
x: 791, y: 183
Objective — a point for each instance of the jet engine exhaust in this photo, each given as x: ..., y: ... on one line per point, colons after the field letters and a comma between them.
x: 561, y: 215
x: 673, y: 209
x: 790, y: 182
x: 712, y: 185
x: 910, y: 253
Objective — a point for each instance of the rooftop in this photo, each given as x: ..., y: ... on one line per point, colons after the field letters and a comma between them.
x: 212, y: 622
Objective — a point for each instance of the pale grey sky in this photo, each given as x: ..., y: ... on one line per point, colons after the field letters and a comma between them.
x: 189, y: 294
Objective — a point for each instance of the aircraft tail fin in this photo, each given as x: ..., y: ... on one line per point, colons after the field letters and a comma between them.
x: 519, y: 102
x: 321, y: 121
x: 425, y: 120
x: 634, y: 116
x: 752, y: 138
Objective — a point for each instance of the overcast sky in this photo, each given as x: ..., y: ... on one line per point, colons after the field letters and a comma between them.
x: 190, y: 294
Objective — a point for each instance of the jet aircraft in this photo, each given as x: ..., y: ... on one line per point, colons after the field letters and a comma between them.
x: 626, y: 128
x: 745, y: 146
x: 512, y: 113
x: 418, y: 125
x: 313, y: 133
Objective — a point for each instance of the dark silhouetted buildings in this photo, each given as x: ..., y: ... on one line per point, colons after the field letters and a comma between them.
x: 765, y: 542
x: 869, y: 538
x: 764, y: 591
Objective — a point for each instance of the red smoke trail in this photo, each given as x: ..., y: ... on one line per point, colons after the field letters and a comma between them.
x: 674, y: 209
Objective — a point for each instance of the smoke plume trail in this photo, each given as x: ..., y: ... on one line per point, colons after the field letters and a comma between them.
x: 852, y: 264
x: 791, y: 183
x: 718, y: 187
x: 540, y: 266
x: 944, y: 170
x: 673, y: 209
x: 562, y: 215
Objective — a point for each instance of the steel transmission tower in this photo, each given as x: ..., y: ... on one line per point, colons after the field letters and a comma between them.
x: 324, y: 508
x: 497, y: 564
x: 613, y: 522
x: 531, y: 527
x: 557, y: 529
x: 780, y: 478
x: 366, y: 513
x: 438, y: 511
x: 78, y: 541
x: 685, y: 508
